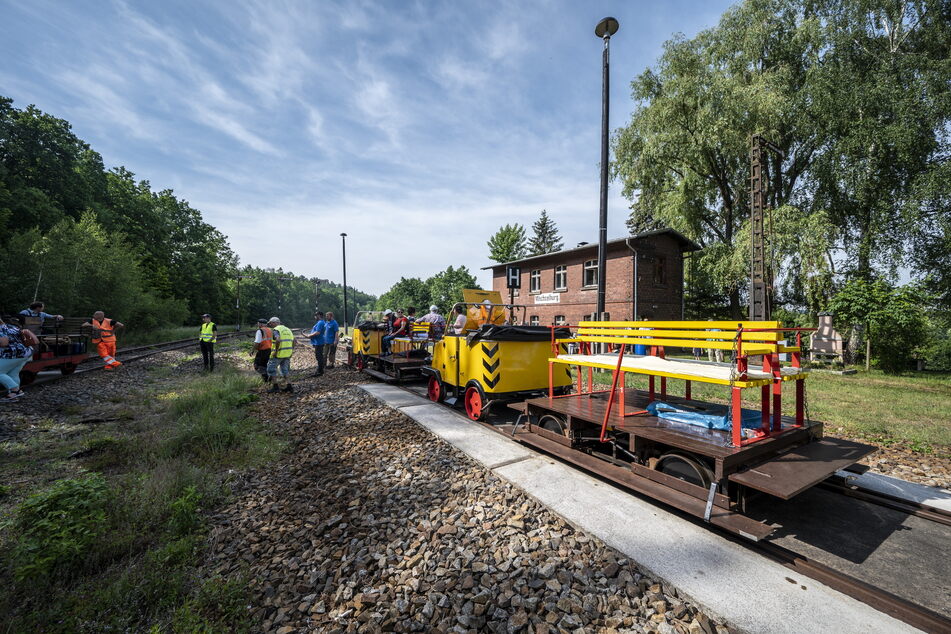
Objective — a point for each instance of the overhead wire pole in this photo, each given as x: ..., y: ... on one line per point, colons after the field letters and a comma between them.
x: 760, y: 278
x: 605, y: 29
x: 343, y: 244
x: 237, y: 301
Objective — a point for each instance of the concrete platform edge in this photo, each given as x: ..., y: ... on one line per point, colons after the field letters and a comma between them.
x: 746, y: 590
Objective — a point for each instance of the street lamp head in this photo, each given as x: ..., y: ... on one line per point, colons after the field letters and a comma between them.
x: 606, y: 27
x: 343, y: 235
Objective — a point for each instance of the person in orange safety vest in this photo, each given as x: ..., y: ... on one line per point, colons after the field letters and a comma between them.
x: 104, y: 337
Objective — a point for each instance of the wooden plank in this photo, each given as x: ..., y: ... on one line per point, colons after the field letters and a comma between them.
x: 797, y: 470
x: 700, y: 335
x: 670, y: 375
x: 676, y: 483
x: 722, y: 325
x: 749, y: 348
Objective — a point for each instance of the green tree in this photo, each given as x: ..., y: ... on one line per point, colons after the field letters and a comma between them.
x: 409, y: 291
x: 893, y: 319
x: 507, y: 244
x: 857, y: 154
x: 545, y: 238
x: 445, y: 287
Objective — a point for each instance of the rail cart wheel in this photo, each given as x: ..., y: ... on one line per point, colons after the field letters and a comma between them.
x: 67, y: 368
x: 27, y: 377
x: 475, y: 404
x: 685, y: 468
x: 361, y: 362
x: 435, y: 390
x: 552, y: 423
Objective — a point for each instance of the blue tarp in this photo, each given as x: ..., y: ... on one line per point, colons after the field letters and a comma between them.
x: 713, y: 418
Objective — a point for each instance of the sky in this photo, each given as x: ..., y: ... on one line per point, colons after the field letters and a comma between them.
x: 418, y: 128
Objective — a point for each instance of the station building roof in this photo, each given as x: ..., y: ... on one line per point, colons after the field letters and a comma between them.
x: 685, y: 243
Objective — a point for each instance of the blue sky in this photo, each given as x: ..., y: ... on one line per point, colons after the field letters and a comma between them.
x: 416, y: 127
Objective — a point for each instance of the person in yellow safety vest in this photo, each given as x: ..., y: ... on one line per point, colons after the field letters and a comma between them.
x: 282, y: 348
x: 104, y: 338
x: 207, y: 336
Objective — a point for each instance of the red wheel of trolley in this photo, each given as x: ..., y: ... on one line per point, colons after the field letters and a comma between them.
x: 27, y: 377
x: 475, y: 403
x: 435, y: 390
x: 361, y: 361
x: 67, y: 368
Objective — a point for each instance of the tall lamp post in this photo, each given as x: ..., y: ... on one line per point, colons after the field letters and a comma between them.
x: 346, y: 320
x: 605, y: 29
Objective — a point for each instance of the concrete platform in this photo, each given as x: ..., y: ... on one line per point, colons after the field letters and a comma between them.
x: 738, y: 586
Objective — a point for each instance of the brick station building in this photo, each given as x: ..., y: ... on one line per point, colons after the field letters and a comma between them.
x: 562, y: 287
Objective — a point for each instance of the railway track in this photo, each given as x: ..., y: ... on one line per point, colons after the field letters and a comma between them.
x: 883, y: 600
x: 134, y: 354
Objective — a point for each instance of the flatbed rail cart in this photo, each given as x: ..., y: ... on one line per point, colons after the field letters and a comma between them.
x: 492, y: 362
x: 407, y: 355
x: 64, y: 344
x: 706, y: 459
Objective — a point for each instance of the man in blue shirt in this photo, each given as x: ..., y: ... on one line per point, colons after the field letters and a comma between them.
x: 330, y: 339
x: 317, y: 334
x: 34, y: 312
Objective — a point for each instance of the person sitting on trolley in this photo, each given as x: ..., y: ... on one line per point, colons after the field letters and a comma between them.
x: 459, y: 325
x: 34, y: 312
x: 437, y: 323
x: 400, y: 328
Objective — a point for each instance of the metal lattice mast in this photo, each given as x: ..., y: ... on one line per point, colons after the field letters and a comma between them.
x: 761, y: 282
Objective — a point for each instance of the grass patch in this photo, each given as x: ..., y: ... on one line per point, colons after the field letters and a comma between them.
x: 912, y: 410
x: 119, y: 548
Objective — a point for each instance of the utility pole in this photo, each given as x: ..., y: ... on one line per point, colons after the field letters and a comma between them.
x: 605, y: 29
x: 237, y: 301
x: 761, y: 282
x: 346, y: 320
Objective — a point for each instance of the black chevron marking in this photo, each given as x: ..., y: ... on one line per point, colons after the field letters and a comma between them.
x: 490, y: 352
x: 568, y: 372
x: 491, y: 368
x: 491, y: 382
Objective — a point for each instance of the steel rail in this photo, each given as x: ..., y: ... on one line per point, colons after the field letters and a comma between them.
x: 902, y: 609
x: 910, y: 507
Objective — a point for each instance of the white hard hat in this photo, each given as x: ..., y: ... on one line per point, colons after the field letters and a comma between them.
x: 433, y: 308
x: 387, y: 312
x: 274, y: 320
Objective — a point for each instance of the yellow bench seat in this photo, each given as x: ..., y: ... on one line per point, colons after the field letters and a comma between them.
x: 704, y: 372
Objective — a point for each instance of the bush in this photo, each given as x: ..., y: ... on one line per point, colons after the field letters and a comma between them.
x: 56, y: 528
x: 937, y: 354
x: 185, y: 517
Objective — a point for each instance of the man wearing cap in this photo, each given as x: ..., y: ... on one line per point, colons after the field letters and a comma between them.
x: 282, y: 348
x: 262, y: 349
x: 207, y: 336
x: 437, y: 323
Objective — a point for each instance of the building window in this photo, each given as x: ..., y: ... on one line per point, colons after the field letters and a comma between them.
x: 591, y: 273
x: 660, y: 271
x: 560, y: 320
x: 533, y: 320
x: 535, y: 284
x: 561, y: 278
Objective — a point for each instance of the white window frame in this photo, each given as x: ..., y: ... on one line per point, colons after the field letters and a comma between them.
x: 561, y: 320
x: 589, y: 265
x: 535, y: 281
x: 563, y: 272
x: 533, y: 320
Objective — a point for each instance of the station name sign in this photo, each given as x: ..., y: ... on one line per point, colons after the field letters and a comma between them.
x: 548, y: 298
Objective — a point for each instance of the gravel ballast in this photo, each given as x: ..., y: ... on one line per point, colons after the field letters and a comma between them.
x: 373, y: 524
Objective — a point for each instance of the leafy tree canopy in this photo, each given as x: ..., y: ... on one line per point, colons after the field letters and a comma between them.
x: 545, y: 238
x: 508, y: 243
